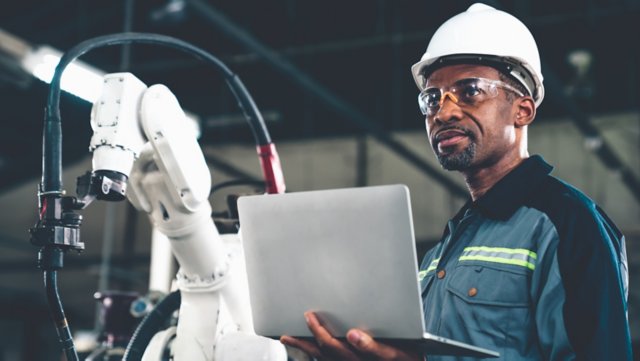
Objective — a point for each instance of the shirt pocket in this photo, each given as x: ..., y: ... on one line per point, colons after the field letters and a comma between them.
x: 490, y: 285
x: 488, y: 305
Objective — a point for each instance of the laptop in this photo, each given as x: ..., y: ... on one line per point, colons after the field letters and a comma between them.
x: 347, y: 254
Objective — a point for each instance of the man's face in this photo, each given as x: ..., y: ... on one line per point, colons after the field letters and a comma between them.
x: 470, y: 136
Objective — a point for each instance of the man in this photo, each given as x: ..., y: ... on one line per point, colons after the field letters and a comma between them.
x: 529, y: 267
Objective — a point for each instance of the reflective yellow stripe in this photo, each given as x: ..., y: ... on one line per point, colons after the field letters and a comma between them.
x: 514, y: 256
x: 504, y: 250
x: 421, y: 275
x: 517, y: 262
x: 432, y: 266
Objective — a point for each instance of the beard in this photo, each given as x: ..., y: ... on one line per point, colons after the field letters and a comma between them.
x: 459, y: 160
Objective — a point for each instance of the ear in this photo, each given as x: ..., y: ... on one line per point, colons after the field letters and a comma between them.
x: 525, y: 111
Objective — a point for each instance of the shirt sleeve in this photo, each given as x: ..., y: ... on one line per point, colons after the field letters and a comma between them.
x: 581, y: 304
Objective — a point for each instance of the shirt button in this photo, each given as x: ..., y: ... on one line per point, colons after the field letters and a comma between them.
x: 473, y: 291
x: 441, y: 274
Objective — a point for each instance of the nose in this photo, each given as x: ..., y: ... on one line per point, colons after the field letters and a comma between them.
x: 448, y: 110
x: 449, y: 95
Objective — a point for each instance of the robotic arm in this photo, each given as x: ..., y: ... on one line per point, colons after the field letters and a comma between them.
x: 141, y: 134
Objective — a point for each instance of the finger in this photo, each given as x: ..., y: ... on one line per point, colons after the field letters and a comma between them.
x: 322, y: 335
x: 309, y: 347
x: 366, y: 344
x: 328, y: 344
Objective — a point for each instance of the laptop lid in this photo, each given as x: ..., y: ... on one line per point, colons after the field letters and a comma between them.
x: 347, y: 254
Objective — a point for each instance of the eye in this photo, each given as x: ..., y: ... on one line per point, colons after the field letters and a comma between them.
x: 470, y: 90
x: 432, y: 98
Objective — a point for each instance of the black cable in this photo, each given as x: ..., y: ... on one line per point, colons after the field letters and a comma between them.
x: 238, y: 182
x: 57, y: 312
x: 52, y: 149
x: 305, y: 82
x: 150, y: 325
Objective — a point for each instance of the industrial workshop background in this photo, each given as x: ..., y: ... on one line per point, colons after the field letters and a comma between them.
x: 332, y: 79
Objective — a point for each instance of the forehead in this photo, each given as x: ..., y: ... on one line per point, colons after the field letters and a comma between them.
x: 449, y: 74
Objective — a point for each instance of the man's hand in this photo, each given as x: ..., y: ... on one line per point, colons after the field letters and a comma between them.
x: 360, y: 345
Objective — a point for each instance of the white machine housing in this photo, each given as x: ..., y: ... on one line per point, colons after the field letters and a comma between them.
x: 170, y: 180
x: 117, y: 138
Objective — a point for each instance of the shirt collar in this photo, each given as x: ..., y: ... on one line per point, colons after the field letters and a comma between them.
x: 506, y: 196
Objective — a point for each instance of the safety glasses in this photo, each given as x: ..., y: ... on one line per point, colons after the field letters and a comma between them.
x: 464, y: 92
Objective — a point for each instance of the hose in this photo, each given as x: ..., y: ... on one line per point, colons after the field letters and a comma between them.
x: 150, y: 325
x: 52, y: 136
x: 57, y: 312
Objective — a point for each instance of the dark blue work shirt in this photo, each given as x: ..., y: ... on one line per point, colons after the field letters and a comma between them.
x: 534, y: 270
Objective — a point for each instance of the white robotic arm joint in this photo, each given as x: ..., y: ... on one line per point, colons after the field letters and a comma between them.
x: 117, y: 137
x: 169, y: 179
x: 177, y: 153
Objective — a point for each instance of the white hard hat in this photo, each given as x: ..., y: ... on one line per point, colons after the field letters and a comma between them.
x: 484, y: 35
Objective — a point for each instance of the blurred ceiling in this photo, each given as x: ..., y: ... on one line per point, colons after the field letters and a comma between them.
x: 358, y: 51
